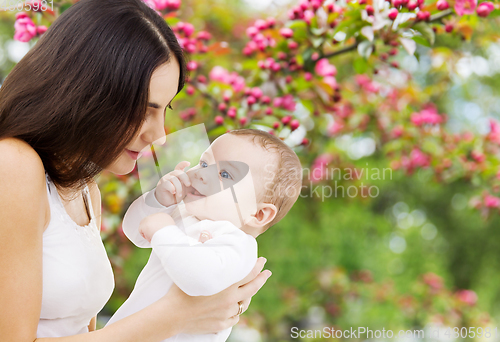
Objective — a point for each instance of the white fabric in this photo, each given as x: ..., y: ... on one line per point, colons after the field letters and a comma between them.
x: 198, y: 269
x: 77, y: 275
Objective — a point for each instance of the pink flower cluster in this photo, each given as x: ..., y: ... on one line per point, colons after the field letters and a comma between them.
x: 254, y: 95
x: 184, y: 33
x: 286, y: 102
x: 416, y: 159
x: 25, y: 28
x: 258, y: 40
x: 367, y: 84
x: 463, y: 7
x: 484, y: 9
x: 468, y: 297
x: 494, y: 134
x: 328, y: 71
x: 335, y: 127
x: 160, y: 5
x: 220, y: 74
x: 428, y: 115
x: 491, y: 201
x: 433, y: 280
x: 305, y: 10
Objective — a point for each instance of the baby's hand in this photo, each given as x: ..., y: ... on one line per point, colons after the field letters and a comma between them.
x: 170, y: 189
x: 205, y: 236
x: 153, y: 223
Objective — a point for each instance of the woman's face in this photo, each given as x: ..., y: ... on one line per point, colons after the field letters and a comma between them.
x: 162, y: 89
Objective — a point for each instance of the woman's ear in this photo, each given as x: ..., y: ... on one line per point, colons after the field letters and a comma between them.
x: 266, y: 212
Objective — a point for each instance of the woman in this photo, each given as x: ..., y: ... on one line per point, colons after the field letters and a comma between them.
x: 89, y: 94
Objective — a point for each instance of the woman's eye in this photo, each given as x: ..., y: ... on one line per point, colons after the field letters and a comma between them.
x: 225, y: 174
x: 203, y: 164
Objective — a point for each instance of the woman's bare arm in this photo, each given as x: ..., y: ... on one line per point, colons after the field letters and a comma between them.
x: 23, y: 208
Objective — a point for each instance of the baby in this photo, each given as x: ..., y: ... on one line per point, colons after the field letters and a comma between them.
x: 202, y: 223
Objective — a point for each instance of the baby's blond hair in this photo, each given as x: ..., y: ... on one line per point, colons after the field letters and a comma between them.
x: 284, y: 188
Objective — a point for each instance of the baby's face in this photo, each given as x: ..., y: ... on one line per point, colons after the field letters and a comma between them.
x: 233, y: 166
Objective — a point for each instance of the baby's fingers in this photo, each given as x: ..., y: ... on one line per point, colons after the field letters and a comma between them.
x: 184, y: 178
x: 178, y: 188
x: 166, y: 185
x: 182, y: 165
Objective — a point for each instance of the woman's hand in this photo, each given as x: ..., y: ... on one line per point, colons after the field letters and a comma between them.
x: 210, y: 314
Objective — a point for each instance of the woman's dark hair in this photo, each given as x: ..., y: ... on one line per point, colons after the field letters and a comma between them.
x: 80, y: 95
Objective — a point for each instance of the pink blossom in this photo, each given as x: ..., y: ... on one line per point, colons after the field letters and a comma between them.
x: 308, y: 76
x: 41, y: 29
x: 393, y: 13
x: 192, y: 65
x: 256, y: 92
x: 173, y: 4
x: 491, y: 201
x: 331, y: 81
x: 260, y: 24
x: 188, y: 29
x: 203, y: 35
x: 478, y: 156
x: 418, y: 158
x: 484, y: 9
x: 25, y: 29
x: 467, y: 296
x: 324, y: 68
x: 308, y: 15
x: 288, y: 103
x: 442, y: 5
x: 294, y: 125
x: 494, y: 134
x: 20, y: 15
x: 433, y: 280
x: 220, y: 74
x: 150, y: 3
x: 397, y: 131
x: 465, y: 6
x: 428, y: 115
x: 362, y: 79
x: 286, y: 32
x: 335, y: 127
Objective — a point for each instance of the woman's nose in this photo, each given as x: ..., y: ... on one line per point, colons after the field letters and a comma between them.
x: 154, y: 132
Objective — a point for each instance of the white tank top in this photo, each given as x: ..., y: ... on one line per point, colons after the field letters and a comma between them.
x: 77, y: 275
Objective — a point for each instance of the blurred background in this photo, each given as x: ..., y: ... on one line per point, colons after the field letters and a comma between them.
x: 418, y: 247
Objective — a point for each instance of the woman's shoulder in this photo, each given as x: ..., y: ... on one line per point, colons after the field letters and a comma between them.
x: 22, y: 177
x: 15, y: 151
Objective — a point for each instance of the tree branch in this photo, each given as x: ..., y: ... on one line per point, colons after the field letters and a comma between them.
x: 435, y: 17
x: 341, y: 51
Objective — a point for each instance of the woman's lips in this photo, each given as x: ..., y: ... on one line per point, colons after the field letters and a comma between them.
x: 134, y: 155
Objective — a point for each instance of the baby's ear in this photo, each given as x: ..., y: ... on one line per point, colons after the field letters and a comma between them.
x: 266, y: 212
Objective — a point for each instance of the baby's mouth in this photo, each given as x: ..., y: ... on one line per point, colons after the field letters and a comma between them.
x: 194, y: 192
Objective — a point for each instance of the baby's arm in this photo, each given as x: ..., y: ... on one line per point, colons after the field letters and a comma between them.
x: 143, y: 206
x: 203, y: 269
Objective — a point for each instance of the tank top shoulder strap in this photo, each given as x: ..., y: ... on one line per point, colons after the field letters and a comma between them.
x: 89, y: 201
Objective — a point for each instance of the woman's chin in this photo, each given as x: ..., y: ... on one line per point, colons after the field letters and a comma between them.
x: 122, y: 167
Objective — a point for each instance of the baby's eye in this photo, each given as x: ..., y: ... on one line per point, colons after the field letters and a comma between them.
x: 225, y: 174
x: 203, y: 164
